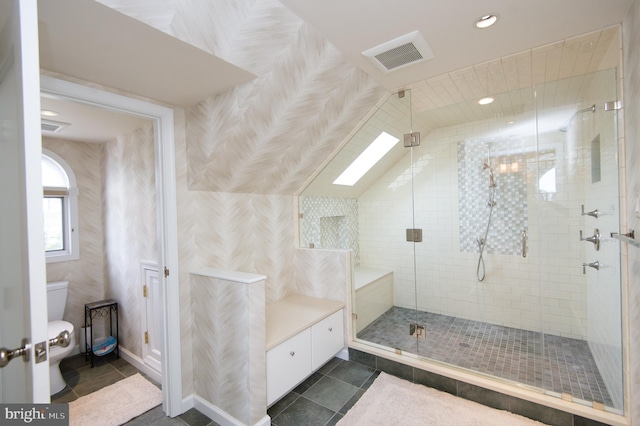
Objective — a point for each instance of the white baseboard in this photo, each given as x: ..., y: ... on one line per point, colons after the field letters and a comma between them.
x: 138, y: 363
x: 187, y: 404
x: 219, y: 416
x: 343, y: 354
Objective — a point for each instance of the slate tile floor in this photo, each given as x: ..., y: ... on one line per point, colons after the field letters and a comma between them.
x: 82, y: 380
x: 325, y: 396
x: 567, y: 365
x: 320, y: 400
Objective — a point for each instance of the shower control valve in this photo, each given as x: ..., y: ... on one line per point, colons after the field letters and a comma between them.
x: 595, y: 239
x: 595, y: 213
x: 595, y: 265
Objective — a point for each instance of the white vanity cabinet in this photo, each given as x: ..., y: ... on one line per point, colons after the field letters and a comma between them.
x: 287, y: 363
x: 327, y: 339
x: 303, y: 333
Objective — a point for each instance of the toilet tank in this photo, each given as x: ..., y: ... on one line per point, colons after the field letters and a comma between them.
x: 56, y: 299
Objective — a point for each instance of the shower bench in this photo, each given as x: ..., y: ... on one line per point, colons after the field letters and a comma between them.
x: 302, y: 334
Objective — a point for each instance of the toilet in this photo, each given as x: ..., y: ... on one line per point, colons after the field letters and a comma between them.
x: 56, y: 301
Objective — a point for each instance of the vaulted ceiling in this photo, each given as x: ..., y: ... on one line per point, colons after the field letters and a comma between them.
x: 272, y: 132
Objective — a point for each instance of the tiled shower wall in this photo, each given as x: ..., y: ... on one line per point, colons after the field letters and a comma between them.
x: 545, y: 291
x: 475, y: 195
x: 597, y: 137
x: 329, y: 222
x: 447, y: 284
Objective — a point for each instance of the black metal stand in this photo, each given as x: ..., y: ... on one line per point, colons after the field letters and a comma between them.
x: 101, y: 308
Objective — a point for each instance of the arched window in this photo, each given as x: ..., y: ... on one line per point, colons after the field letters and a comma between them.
x: 60, y: 205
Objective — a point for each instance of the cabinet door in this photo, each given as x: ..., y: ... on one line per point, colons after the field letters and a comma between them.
x: 288, y: 364
x: 327, y: 339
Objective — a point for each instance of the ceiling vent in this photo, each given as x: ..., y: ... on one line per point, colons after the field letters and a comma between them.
x: 399, y: 53
x: 52, y: 126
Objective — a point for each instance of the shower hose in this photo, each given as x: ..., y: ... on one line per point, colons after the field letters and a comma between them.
x: 482, y: 242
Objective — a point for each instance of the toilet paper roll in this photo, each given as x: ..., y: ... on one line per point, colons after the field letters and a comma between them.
x: 82, y: 345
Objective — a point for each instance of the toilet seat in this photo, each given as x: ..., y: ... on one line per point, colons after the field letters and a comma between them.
x: 56, y: 327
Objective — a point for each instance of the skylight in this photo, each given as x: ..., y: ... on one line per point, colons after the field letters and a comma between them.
x: 365, y: 161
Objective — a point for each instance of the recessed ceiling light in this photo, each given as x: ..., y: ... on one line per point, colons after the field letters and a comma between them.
x: 48, y: 113
x: 486, y: 21
x: 485, y: 101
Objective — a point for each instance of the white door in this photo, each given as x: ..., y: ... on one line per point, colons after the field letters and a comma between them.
x: 152, y: 317
x: 23, y: 297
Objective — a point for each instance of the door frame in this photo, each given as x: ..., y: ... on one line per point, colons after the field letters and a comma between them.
x: 163, y: 126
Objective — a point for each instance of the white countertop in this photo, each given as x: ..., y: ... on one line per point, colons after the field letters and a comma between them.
x: 289, y: 316
x: 223, y: 274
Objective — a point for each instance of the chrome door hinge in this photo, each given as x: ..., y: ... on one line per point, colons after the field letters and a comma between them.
x: 612, y: 105
x: 414, y: 235
x: 417, y: 331
x: 166, y: 272
x: 411, y: 139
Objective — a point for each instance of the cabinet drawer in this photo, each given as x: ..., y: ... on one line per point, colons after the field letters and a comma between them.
x: 288, y: 364
x: 327, y: 338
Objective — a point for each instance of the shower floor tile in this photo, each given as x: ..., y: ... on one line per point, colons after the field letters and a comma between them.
x: 567, y: 365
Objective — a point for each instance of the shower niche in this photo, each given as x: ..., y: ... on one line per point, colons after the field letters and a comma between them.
x: 535, y: 320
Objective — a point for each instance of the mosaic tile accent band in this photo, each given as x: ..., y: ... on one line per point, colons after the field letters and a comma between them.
x: 330, y: 222
x: 510, y: 213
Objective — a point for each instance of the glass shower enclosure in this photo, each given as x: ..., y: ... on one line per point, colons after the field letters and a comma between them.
x: 481, y: 238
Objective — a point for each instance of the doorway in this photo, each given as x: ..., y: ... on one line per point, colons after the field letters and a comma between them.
x: 167, y: 259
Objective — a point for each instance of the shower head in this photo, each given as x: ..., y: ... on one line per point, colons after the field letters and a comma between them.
x: 592, y: 108
x: 492, y: 179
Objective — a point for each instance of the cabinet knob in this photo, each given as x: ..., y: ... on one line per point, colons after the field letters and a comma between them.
x: 292, y: 353
x: 330, y: 328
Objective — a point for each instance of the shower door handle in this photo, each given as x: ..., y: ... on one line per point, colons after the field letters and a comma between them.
x: 524, y: 243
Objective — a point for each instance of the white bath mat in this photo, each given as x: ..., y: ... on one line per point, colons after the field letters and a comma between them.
x: 393, y: 401
x: 116, y: 404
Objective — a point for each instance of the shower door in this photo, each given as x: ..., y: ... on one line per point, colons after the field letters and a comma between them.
x: 484, y: 243
x: 480, y: 308
x: 384, y: 292
x: 577, y: 209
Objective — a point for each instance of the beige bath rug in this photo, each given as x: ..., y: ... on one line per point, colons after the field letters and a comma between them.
x: 393, y: 401
x: 116, y: 404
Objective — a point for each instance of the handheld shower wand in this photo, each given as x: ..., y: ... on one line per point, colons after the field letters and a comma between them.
x: 492, y: 178
x: 482, y: 242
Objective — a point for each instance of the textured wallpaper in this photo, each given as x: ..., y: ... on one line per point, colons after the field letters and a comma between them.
x: 269, y: 135
x: 305, y: 99
x: 129, y: 199
x: 86, y: 283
